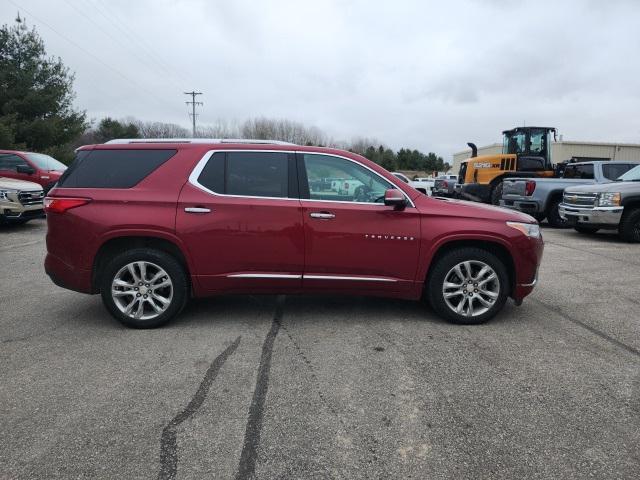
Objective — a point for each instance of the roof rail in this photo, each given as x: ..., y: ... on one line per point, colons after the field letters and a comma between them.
x: 199, y: 140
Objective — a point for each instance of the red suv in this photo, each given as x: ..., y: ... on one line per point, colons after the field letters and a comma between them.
x: 32, y: 167
x: 148, y: 224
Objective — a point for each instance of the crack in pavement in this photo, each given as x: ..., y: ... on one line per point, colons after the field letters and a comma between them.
x: 249, y: 456
x: 589, y: 328
x: 168, y: 441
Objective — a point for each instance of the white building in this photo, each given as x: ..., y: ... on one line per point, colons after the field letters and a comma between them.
x: 566, y: 150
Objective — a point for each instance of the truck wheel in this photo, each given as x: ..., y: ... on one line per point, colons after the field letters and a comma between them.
x: 553, y: 216
x: 496, y: 194
x: 630, y: 226
x: 586, y: 229
x: 144, y: 288
x: 468, y: 286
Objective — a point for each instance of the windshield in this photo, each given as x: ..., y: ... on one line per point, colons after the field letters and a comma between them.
x: 632, y: 175
x: 45, y: 162
x: 514, y: 142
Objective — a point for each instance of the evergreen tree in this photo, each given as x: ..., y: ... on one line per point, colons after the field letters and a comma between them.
x: 36, y: 95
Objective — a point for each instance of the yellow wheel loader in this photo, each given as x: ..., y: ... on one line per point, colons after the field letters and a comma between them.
x: 526, y: 152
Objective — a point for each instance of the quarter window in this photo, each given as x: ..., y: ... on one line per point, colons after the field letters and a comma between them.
x: 116, y: 168
x: 334, y: 178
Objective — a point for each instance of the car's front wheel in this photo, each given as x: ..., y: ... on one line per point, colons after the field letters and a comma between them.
x: 468, y: 286
x: 144, y: 288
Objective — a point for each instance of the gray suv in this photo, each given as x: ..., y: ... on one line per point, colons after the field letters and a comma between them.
x: 611, y: 206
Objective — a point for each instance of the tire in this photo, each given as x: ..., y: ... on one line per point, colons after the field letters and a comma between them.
x: 630, y: 226
x: 586, y: 230
x: 496, y: 194
x: 539, y: 217
x: 170, y: 299
x: 444, y: 271
x: 553, y: 216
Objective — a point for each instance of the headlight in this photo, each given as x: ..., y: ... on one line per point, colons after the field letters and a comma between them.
x: 609, y: 199
x: 5, y: 191
x: 529, y: 229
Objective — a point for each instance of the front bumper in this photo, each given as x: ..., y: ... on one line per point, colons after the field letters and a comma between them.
x: 603, y: 217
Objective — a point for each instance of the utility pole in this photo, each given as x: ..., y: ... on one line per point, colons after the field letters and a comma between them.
x: 193, y: 104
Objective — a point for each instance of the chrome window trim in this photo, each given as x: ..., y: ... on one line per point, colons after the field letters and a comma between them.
x: 195, y: 173
x: 197, y: 170
x: 363, y: 166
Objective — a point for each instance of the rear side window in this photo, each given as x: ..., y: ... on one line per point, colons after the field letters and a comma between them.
x: 9, y: 161
x: 249, y: 174
x: 579, y: 171
x: 613, y: 171
x: 113, y: 168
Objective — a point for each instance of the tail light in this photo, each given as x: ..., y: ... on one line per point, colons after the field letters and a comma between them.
x: 61, y: 205
x: 529, y: 188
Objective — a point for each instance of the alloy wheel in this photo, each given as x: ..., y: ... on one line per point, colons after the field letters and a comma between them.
x: 142, y: 290
x: 471, y: 288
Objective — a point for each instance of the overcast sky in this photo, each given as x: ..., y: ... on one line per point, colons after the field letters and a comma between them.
x: 430, y: 75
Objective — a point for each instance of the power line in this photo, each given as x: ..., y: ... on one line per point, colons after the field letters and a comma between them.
x: 112, y: 37
x: 87, y: 52
x: 111, y: 16
x: 193, y: 104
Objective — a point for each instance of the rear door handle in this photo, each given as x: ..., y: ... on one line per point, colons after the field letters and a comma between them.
x: 197, y: 210
x: 323, y: 215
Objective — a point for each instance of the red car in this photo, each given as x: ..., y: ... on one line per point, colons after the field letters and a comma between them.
x: 148, y: 224
x: 32, y: 167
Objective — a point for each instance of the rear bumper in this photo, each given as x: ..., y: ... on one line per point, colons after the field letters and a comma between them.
x: 66, y: 276
x: 526, y: 206
x: 602, y: 217
x: 474, y: 191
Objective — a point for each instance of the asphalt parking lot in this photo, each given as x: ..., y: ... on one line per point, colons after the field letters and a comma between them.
x: 325, y: 387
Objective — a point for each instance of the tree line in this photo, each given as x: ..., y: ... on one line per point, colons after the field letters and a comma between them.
x: 37, y: 113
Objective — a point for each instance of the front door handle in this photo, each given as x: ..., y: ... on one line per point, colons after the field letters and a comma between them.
x: 323, y: 215
x: 197, y: 210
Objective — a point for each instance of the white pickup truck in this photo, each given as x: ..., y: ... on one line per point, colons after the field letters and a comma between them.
x: 20, y: 201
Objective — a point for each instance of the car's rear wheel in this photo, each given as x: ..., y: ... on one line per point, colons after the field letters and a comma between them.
x: 496, y: 194
x: 630, y: 226
x: 144, y: 288
x: 468, y: 286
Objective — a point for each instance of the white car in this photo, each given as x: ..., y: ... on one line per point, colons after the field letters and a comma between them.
x: 424, y: 184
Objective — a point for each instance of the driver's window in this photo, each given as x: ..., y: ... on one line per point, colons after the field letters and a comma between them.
x: 334, y: 178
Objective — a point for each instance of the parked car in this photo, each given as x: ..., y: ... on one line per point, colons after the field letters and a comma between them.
x: 541, y: 197
x: 20, y: 201
x: 423, y: 184
x: 148, y: 224
x: 31, y: 167
x: 611, y: 206
x: 444, y: 185
x: 401, y: 176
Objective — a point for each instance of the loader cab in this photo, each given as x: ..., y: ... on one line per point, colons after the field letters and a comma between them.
x: 531, y: 145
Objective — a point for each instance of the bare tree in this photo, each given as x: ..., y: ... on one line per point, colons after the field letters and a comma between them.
x: 280, y: 129
x: 158, y: 129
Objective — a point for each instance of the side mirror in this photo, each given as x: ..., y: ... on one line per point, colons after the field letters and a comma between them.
x: 25, y: 169
x: 394, y: 198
